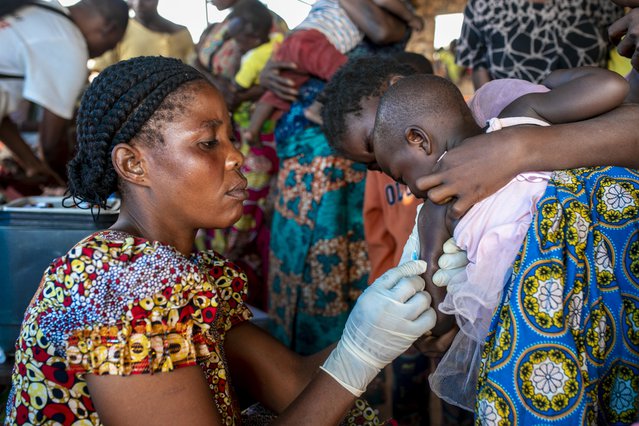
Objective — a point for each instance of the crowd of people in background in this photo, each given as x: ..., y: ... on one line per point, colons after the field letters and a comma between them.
x: 313, y: 117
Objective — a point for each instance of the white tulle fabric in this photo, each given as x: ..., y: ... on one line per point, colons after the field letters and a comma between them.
x: 491, y: 233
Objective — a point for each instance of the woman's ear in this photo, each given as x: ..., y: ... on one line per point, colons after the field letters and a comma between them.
x: 129, y: 164
x: 417, y: 136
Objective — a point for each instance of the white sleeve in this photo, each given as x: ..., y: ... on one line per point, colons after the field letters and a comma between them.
x: 55, y: 73
x: 411, y: 248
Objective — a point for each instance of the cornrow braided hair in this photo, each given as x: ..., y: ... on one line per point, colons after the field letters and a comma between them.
x: 119, y: 105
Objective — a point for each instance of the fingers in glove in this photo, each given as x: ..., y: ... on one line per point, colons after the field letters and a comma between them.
x: 450, y: 246
x: 424, y: 323
x: 407, y: 287
x: 416, y: 305
x: 392, y: 276
x: 442, y: 277
x: 453, y: 260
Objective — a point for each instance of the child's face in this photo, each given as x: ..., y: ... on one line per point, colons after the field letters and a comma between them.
x: 195, y: 175
x: 357, y: 144
x: 406, y: 160
x: 247, y: 40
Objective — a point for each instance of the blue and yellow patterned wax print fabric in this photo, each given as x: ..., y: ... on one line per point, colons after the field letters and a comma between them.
x: 564, y: 342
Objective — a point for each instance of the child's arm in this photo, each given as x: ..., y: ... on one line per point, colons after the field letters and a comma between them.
x: 403, y: 10
x: 246, y: 94
x: 576, y: 94
x: 379, y: 26
x: 260, y: 114
x: 435, y: 229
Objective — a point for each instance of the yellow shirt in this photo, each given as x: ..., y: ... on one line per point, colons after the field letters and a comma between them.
x: 255, y: 60
x: 140, y: 41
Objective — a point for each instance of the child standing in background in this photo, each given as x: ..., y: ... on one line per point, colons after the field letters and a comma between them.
x: 318, y: 46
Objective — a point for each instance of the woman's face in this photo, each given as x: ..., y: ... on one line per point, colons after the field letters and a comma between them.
x: 195, y: 173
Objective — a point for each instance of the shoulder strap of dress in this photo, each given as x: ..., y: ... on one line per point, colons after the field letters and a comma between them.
x: 499, y: 123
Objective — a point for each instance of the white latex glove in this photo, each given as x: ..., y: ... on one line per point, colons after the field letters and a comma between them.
x: 452, y: 262
x: 387, y: 318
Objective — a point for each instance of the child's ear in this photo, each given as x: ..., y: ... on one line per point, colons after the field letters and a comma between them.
x: 129, y: 164
x: 417, y: 136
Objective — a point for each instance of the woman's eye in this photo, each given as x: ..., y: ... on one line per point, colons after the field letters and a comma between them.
x: 208, y: 144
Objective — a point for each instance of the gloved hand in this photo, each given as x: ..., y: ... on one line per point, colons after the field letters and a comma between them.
x: 452, y: 262
x: 387, y: 318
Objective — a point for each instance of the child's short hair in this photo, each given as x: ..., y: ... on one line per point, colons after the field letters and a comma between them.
x: 360, y: 78
x: 413, y: 99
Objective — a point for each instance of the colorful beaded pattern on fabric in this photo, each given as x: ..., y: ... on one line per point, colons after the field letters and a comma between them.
x: 116, y: 304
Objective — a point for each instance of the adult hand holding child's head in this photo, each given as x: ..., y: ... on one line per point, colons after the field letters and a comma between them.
x: 473, y: 170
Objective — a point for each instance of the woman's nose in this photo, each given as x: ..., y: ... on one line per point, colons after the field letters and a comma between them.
x: 235, y: 159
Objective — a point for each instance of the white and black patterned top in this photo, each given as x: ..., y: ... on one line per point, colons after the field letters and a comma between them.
x: 328, y: 17
x: 526, y: 40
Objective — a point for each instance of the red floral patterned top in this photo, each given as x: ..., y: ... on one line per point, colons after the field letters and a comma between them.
x: 118, y: 304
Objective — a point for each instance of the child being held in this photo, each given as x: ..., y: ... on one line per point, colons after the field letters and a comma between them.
x: 318, y: 47
x: 572, y: 247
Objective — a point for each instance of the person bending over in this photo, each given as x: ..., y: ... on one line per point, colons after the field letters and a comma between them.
x: 44, y: 60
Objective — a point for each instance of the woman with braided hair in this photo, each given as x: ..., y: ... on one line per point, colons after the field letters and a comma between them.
x: 133, y: 326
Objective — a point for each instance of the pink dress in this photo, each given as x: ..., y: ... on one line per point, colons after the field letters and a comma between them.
x: 492, y: 233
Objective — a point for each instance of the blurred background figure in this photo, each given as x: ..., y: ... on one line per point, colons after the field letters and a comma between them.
x: 445, y: 65
x: 527, y: 39
x: 232, y: 54
x: 148, y: 34
x: 43, y: 60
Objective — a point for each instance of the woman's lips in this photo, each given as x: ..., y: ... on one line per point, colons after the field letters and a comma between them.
x: 239, y: 192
